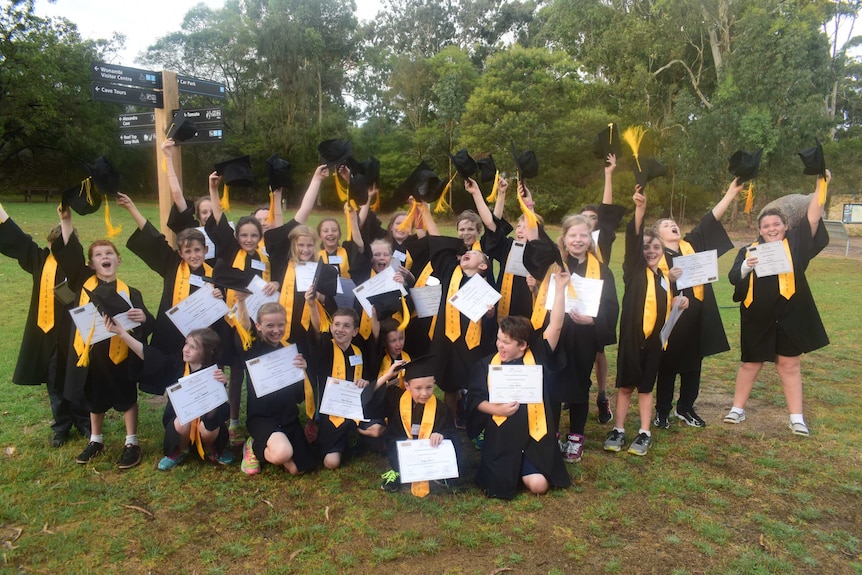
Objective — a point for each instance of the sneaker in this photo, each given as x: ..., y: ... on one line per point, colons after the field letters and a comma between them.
x: 799, y: 429
x: 690, y: 417
x: 250, y: 465
x: 479, y: 441
x: 605, y: 414
x: 168, y: 462
x: 615, y: 441
x: 92, y: 450
x: 130, y: 456
x: 641, y: 444
x: 59, y: 438
x: 734, y: 417
x: 236, y: 435
x: 226, y: 457
x: 661, y: 420
x: 574, y: 448
x: 390, y: 484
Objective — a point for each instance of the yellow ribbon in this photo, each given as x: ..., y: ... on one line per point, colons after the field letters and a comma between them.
x: 821, y: 191
x: 182, y: 286
x: 426, y: 427
x: 453, y: 316
x: 45, y: 318
x: 195, y: 429
x: 651, y: 305
x: 535, y: 411
x: 270, y: 218
x: 118, y: 350
x: 786, y: 282
x: 339, y: 371
x: 239, y: 262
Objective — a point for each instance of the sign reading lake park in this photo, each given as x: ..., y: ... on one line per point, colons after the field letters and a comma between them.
x: 191, y: 85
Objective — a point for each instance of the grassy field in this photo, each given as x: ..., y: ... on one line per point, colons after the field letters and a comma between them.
x: 750, y: 498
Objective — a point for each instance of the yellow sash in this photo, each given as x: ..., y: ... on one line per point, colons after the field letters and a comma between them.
x: 182, y: 287
x: 535, y: 411
x: 118, y: 351
x: 365, y: 319
x: 651, y: 305
x: 195, y: 429
x: 593, y: 272
x: 239, y: 262
x: 344, y: 266
x: 453, y: 316
x: 786, y: 282
x: 339, y: 371
x: 45, y: 318
x: 387, y: 363
x: 426, y: 427
x: 685, y: 249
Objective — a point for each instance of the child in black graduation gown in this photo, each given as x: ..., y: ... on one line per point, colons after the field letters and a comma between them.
x: 520, y: 444
x: 44, y: 344
x: 646, y: 304
x: 778, y: 317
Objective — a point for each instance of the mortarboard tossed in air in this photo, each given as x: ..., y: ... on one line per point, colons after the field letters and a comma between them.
x: 526, y: 163
x: 333, y: 153
x: 648, y: 169
x: 234, y: 172
x: 107, y: 181
x: 745, y: 167
x: 608, y: 142
x: 181, y: 128
x: 464, y: 164
x: 488, y: 172
x: 81, y: 198
x: 423, y: 184
x: 278, y: 172
x: 815, y: 164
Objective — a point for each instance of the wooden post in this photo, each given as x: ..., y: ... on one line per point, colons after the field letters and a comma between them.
x: 171, y: 96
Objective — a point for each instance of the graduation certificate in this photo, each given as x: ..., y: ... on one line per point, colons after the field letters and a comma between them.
x: 418, y: 461
x: 257, y: 298
x: 199, y: 310
x: 520, y: 383
x: 697, y: 269
x: 475, y: 297
x: 273, y: 371
x: 87, y: 317
x: 771, y: 259
x: 426, y: 299
x: 515, y: 261
x: 383, y: 282
x: 196, y: 394
x: 343, y: 399
x: 586, y: 299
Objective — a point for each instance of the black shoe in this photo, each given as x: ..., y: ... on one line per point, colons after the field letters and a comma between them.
x: 92, y: 450
x: 391, y: 482
x: 605, y: 413
x: 661, y: 420
x: 130, y: 457
x: 691, y: 418
x: 59, y: 438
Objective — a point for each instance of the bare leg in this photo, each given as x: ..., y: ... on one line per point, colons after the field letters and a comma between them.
x: 789, y: 369
x: 624, y: 399
x: 645, y: 409
x: 745, y: 378
x: 602, y: 373
x: 332, y: 460
x: 130, y: 417
x: 183, y: 431
x: 536, y: 483
x: 96, y: 422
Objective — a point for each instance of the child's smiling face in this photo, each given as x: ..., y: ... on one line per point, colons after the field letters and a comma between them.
x: 104, y: 261
x: 271, y: 327
x: 421, y: 388
x: 653, y: 251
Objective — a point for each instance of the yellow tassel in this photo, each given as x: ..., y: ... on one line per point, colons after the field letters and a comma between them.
x: 529, y: 216
x: 87, y: 188
x: 376, y: 205
x: 351, y: 205
x: 821, y: 192
x: 84, y: 360
x: 405, y: 315
x: 749, y: 199
x: 225, y: 199
x: 405, y: 225
x: 112, y: 231
x: 493, y: 196
x: 270, y: 219
x: 325, y: 320
x: 442, y: 204
x: 339, y: 188
x: 633, y: 136
x: 244, y: 336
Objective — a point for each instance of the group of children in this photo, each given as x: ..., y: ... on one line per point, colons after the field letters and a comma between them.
x: 396, y: 357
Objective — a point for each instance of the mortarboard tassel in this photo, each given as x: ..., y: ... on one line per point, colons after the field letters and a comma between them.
x: 112, y: 231
x: 493, y: 196
x: 529, y: 216
x: 351, y: 205
x: 339, y: 188
x: 270, y: 219
x: 821, y: 191
x: 633, y: 136
x: 749, y: 198
x: 84, y: 360
x: 407, y: 223
x: 442, y: 204
x: 244, y: 336
x: 376, y: 205
x: 405, y: 315
x: 224, y: 202
x: 325, y: 320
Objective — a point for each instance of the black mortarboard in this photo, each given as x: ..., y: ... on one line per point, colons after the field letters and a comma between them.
x: 334, y: 152
x: 370, y: 168
x: 812, y: 158
x: 424, y: 366
x: 526, y: 163
x: 228, y: 277
x: 608, y: 142
x: 79, y: 200
x: 236, y: 172
x: 107, y: 300
x: 745, y: 166
x: 423, y: 184
x: 650, y: 168
x: 487, y: 169
x: 464, y: 164
x: 325, y: 279
x: 181, y: 128
x: 279, y: 173
x: 358, y: 188
x: 105, y: 176
x: 386, y: 304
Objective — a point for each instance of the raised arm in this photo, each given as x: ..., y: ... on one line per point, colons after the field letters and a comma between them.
x: 481, y: 207
x: 214, y: 183
x: 66, y: 227
x: 366, y: 207
x: 278, y: 214
x: 3, y: 215
x: 126, y: 202
x: 351, y: 215
x: 427, y: 219
x: 608, y: 194
x: 500, y: 204
x: 176, y: 191
x: 558, y: 311
x: 815, y: 210
x: 640, y: 208
x: 729, y: 196
x: 309, y: 199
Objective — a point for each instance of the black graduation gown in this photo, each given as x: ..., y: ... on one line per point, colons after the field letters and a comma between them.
x: 633, y: 345
x: 506, y: 445
x: 609, y: 218
x: 797, y: 318
x: 498, y: 247
x: 182, y: 220
x: 443, y: 422
x: 417, y: 247
x: 699, y: 331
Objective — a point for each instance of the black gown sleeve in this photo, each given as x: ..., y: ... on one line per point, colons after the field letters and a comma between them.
x: 182, y: 220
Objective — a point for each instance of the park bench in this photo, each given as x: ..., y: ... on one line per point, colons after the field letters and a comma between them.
x: 838, y: 234
x: 47, y: 192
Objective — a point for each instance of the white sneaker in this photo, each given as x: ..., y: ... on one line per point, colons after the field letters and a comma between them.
x: 734, y: 417
x: 799, y: 429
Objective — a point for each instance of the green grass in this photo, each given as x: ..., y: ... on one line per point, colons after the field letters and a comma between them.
x: 744, y: 499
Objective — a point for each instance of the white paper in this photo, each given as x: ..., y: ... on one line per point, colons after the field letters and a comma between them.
x: 474, y: 298
x: 520, y: 383
x: 418, y: 461
x: 771, y: 259
x: 196, y: 395
x: 343, y: 399
x: 87, y: 317
x: 257, y: 298
x: 595, y: 236
x: 273, y: 371
x: 587, y: 295
x: 209, y: 243
x: 426, y: 300
x: 383, y: 282
x: 305, y: 275
x: 197, y: 311
x: 666, y: 330
x: 697, y: 269
x: 344, y: 297
x: 515, y: 261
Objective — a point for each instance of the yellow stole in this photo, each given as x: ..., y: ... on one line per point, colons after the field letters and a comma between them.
x: 685, y: 249
x: 426, y: 427
x: 453, y: 316
x: 182, y: 287
x: 195, y: 429
x: 786, y: 282
x: 593, y: 272
x: 365, y: 319
x: 344, y: 266
x: 239, y: 262
x: 118, y: 351
x: 387, y: 363
x: 651, y: 304
x: 45, y: 317
x: 535, y: 411
x: 288, y: 293
x: 339, y: 371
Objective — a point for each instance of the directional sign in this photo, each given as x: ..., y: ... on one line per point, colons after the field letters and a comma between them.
x: 136, y: 121
x: 207, y: 136
x: 191, y: 85
x: 123, y: 95
x: 205, y: 116
x: 125, y: 75
x: 146, y: 138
